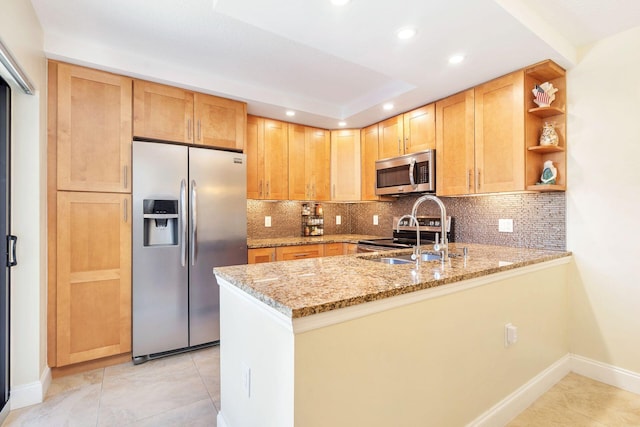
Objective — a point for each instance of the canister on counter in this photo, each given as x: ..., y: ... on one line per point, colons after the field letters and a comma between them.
x: 318, y: 209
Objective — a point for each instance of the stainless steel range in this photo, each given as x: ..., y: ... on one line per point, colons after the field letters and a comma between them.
x: 404, y: 236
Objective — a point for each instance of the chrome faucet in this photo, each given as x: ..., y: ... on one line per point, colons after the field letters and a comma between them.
x: 416, y: 248
x: 443, y: 245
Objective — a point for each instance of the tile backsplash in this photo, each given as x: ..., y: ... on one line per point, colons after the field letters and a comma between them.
x: 539, y: 219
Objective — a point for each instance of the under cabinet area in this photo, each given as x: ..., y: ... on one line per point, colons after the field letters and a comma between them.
x: 169, y: 113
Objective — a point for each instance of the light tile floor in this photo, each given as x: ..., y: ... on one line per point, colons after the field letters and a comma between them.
x: 184, y: 390
x: 581, y: 401
x: 181, y: 390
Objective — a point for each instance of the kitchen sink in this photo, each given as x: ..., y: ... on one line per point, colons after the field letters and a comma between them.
x: 395, y: 260
x: 405, y: 259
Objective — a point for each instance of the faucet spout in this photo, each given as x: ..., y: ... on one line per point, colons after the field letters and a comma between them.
x: 443, y: 246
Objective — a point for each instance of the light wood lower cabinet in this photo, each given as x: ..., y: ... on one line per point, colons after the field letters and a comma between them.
x: 332, y: 249
x: 93, y: 301
x: 260, y: 255
x: 287, y: 253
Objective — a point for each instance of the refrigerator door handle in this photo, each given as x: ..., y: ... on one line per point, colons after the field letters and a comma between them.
x: 12, y: 242
x: 183, y: 222
x: 194, y: 222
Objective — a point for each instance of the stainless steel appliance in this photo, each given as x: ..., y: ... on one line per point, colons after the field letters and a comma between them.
x: 411, y: 173
x: 404, y: 236
x: 189, y: 216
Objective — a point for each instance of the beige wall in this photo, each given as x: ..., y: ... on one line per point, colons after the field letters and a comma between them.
x: 21, y: 33
x: 603, y: 202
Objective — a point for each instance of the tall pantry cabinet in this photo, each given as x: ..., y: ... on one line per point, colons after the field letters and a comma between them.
x: 89, y: 220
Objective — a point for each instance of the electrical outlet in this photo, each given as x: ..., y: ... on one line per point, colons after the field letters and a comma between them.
x: 338, y: 220
x: 267, y: 221
x: 505, y: 225
x: 510, y: 334
x: 246, y: 379
x: 375, y: 220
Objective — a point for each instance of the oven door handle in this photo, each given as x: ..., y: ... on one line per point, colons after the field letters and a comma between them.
x: 412, y: 167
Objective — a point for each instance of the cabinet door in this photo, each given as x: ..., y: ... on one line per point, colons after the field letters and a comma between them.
x: 288, y: 253
x: 299, y: 187
x: 93, y: 276
x: 333, y: 249
x: 499, y: 134
x: 220, y: 122
x: 260, y: 255
x: 345, y: 165
x: 390, y: 134
x: 318, y: 163
x: 455, y: 145
x: 162, y: 112
x: 420, y: 129
x: 93, y: 130
x: 368, y: 155
x: 254, y: 150
x: 276, y: 160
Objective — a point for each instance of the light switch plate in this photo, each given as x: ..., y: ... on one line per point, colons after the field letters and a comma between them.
x: 505, y: 225
x: 267, y: 221
x: 338, y: 220
x: 375, y: 220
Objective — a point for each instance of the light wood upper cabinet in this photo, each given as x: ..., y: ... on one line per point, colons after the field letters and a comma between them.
x: 455, y: 153
x: 220, y: 122
x: 168, y: 113
x: 93, y: 306
x: 267, y: 152
x: 480, y: 139
x: 309, y: 163
x: 419, y: 129
x: 162, y: 112
x: 406, y: 133
x: 345, y: 165
x: 368, y: 157
x: 93, y: 129
x: 390, y: 137
x: 499, y: 134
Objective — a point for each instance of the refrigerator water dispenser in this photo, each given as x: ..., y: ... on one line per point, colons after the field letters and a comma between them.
x: 160, y: 222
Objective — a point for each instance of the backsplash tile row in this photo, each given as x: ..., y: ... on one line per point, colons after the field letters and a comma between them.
x: 539, y: 219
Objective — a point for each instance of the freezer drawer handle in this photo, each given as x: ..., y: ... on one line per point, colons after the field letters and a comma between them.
x: 194, y: 222
x: 12, y: 242
x: 183, y: 222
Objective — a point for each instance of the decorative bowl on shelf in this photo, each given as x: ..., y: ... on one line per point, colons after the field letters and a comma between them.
x: 544, y: 94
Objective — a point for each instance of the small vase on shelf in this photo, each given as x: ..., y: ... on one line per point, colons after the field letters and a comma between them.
x: 549, y: 136
x: 549, y: 173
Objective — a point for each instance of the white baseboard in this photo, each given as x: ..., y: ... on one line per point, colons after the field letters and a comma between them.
x: 605, y: 373
x: 509, y: 407
x: 30, y: 394
x: 220, y: 420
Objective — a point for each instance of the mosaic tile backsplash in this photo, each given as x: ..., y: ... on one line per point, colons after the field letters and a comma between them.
x: 539, y: 219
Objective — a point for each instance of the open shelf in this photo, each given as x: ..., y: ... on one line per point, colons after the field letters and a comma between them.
x: 544, y: 149
x: 546, y: 187
x: 546, y: 111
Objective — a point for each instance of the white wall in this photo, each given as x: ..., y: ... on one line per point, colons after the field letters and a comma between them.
x: 22, y: 34
x: 603, y: 201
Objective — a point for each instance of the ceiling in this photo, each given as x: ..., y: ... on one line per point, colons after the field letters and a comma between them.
x: 326, y: 63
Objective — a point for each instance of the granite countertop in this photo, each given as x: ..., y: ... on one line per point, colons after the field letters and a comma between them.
x: 301, y: 240
x: 308, y: 286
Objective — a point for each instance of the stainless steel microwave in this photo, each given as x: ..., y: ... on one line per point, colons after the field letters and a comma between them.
x: 411, y: 173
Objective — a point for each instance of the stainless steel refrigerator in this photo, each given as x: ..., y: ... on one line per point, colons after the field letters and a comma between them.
x: 189, y: 216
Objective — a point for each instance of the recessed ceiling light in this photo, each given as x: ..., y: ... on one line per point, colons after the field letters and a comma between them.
x: 342, y: 124
x: 406, y: 33
x: 291, y: 113
x: 456, y: 59
x: 339, y: 2
x: 388, y: 106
